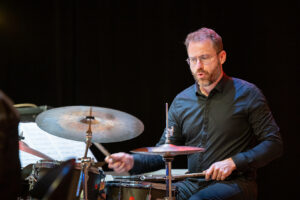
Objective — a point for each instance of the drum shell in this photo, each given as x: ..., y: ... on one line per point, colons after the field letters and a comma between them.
x: 116, y: 190
x: 68, y: 187
x: 93, y: 186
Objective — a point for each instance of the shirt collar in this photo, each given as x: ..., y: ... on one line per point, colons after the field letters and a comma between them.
x: 219, y: 87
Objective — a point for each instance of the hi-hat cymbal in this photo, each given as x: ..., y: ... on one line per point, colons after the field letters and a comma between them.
x: 24, y: 147
x: 168, y: 150
x: 107, y: 125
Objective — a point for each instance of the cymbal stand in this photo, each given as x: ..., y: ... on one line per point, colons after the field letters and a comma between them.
x: 168, y: 160
x: 168, y: 164
x: 86, y: 161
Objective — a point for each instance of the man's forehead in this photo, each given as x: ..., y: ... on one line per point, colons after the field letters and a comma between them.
x: 201, y: 46
x: 206, y: 41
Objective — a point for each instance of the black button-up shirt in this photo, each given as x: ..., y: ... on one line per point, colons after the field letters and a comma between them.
x: 233, y: 121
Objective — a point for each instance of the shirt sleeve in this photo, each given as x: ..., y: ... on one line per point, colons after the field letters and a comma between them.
x: 266, y: 131
x: 146, y: 163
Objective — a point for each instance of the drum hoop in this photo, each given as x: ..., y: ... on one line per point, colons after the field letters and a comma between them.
x: 127, y: 184
x: 54, y: 163
x: 138, y: 184
x: 46, y: 164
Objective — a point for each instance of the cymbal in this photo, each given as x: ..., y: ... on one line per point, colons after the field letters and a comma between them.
x: 24, y: 147
x: 107, y: 125
x: 168, y: 150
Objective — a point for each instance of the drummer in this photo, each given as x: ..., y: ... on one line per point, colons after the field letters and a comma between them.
x: 229, y: 117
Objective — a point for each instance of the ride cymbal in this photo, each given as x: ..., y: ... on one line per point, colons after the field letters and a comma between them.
x: 107, y: 125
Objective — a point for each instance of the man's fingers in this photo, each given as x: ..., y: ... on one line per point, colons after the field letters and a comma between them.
x: 116, y: 164
x: 209, y: 172
x: 224, y: 174
x: 220, y: 170
x: 120, y: 162
x: 215, y: 173
x: 219, y: 176
x: 114, y: 158
x: 120, y: 168
x: 108, y: 159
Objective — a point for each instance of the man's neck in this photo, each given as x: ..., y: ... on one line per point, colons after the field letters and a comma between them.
x: 207, y: 89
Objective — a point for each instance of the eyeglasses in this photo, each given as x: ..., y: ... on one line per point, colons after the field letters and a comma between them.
x: 203, y: 59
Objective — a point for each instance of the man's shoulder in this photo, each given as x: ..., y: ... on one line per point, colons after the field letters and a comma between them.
x: 188, y: 92
x: 243, y: 84
x: 242, y: 87
x: 184, y: 98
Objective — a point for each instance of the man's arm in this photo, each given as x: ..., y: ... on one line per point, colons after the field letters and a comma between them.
x: 264, y: 127
x: 269, y: 145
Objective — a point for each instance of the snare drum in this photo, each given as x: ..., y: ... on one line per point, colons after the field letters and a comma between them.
x: 42, y: 167
x: 68, y: 188
x: 137, y: 190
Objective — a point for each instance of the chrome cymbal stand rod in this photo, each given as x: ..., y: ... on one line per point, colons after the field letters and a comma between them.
x: 168, y: 159
x: 86, y: 161
x: 89, y: 133
x: 169, y: 131
x: 168, y: 164
x: 167, y: 117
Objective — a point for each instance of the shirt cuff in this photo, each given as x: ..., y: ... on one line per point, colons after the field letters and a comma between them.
x: 240, y: 162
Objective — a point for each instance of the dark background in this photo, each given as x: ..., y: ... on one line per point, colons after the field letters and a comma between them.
x: 129, y: 56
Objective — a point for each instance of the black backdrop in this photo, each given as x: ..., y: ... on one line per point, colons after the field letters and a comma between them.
x: 129, y: 56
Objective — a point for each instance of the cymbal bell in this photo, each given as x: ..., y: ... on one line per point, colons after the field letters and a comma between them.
x: 168, y: 150
x: 107, y: 125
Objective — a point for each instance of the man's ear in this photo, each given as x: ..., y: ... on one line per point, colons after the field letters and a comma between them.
x: 222, y: 56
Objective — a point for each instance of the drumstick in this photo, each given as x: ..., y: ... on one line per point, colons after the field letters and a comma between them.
x: 102, y: 149
x: 174, y: 177
x: 189, y: 175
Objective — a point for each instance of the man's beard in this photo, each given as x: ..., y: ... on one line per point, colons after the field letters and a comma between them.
x: 210, y: 77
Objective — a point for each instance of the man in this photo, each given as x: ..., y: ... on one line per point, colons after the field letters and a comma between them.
x: 227, y: 116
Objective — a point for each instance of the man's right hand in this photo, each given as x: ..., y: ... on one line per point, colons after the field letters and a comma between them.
x: 120, y: 162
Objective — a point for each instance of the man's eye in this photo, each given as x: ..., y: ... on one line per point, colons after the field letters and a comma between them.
x: 204, y: 57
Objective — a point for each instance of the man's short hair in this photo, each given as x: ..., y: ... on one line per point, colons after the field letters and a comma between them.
x: 203, y: 34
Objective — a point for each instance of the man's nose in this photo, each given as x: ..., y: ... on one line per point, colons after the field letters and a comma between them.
x: 199, y: 64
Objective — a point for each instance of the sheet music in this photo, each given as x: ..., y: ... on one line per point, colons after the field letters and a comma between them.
x: 58, y: 148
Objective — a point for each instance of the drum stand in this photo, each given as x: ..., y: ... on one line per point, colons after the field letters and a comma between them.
x: 85, y: 161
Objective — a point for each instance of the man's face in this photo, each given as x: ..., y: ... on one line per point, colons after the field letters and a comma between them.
x: 205, y: 62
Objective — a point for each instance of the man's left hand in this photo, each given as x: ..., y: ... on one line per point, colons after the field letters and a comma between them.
x: 220, y: 170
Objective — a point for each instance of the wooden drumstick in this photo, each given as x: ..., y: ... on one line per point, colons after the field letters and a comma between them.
x: 102, y: 149
x: 189, y: 175
x: 174, y: 177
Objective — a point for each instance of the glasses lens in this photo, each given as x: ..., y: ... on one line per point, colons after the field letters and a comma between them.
x: 205, y: 59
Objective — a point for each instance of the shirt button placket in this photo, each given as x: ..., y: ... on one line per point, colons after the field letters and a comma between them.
x: 205, y: 122
x: 204, y: 133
